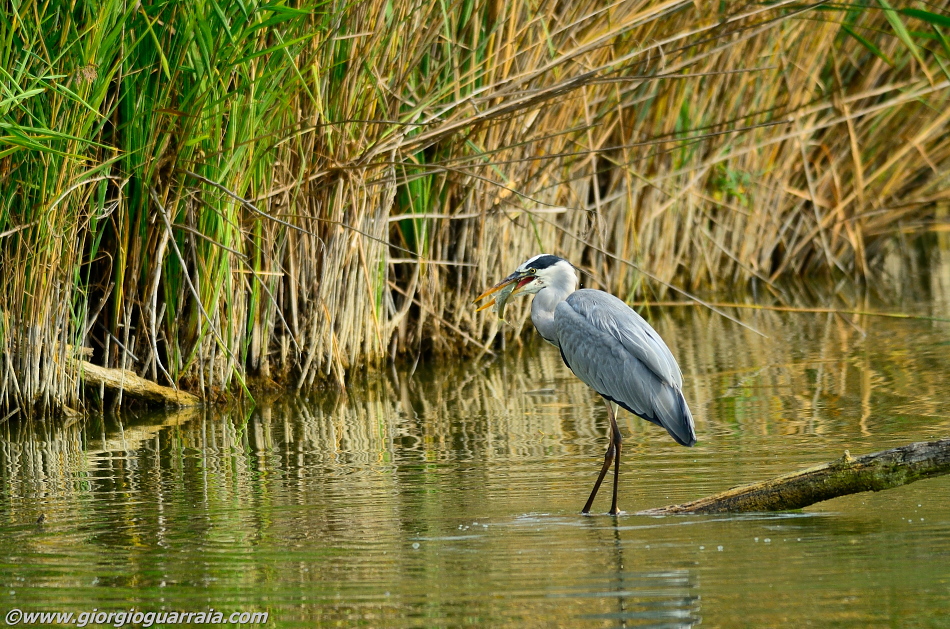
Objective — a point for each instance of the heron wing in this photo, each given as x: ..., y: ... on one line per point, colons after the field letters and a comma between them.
x: 608, y: 315
x: 615, y: 351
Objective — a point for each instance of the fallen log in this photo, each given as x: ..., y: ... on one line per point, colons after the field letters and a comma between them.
x: 847, y: 475
x: 134, y: 386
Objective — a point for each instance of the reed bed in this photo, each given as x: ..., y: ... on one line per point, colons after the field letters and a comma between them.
x: 217, y: 194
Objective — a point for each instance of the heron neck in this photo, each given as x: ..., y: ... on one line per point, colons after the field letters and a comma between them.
x: 542, y: 311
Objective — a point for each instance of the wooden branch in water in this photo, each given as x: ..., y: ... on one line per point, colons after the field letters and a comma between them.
x: 134, y: 386
x: 847, y: 475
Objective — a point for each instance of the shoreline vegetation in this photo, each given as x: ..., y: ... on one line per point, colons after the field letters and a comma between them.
x: 221, y: 195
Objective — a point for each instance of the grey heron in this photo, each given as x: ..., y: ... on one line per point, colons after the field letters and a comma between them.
x: 608, y: 346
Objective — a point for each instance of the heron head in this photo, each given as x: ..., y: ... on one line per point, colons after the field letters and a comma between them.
x: 535, y: 274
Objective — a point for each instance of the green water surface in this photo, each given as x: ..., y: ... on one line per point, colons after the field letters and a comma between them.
x: 450, y: 496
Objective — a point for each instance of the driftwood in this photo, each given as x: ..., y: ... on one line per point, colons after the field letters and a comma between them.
x: 847, y: 475
x: 134, y: 386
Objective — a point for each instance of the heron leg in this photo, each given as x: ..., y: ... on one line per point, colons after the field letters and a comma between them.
x: 608, y: 459
x: 617, y: 441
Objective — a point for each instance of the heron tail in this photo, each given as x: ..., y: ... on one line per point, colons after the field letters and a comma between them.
x: 678, y: 420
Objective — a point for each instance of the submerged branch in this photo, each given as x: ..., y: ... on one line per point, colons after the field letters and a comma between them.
x: 847, y: 475
x: 134, y: 386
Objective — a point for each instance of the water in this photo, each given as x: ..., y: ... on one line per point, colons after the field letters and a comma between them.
x: 450, y: 497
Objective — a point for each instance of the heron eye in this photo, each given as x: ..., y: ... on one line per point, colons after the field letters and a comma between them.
x: 532, y: 271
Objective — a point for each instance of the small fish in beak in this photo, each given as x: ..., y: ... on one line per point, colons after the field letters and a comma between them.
x: 505, y: 289
x: 500, y: 300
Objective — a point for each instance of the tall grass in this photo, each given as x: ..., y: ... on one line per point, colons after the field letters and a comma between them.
x: 209, y: 192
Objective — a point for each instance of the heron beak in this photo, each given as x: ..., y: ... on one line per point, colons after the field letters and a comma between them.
x: 494, y: 289
x: 487, y: 304
x: 521, y: 278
